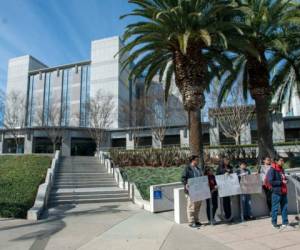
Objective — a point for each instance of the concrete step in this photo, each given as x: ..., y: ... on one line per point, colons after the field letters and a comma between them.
x: 56, y: 203
x: 86, y: 178
x: 77, y: 192
x: 85, y: 185
x: 81, y: 172
x: 78, y: 164
x: 87, y: 190
x: 112, y: 182
x: 87, y: 196
x: 87, y: 174
x: 88, y: 170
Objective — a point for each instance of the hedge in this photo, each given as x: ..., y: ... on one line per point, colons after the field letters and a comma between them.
x: 20, y: 177
x: 166, y: 157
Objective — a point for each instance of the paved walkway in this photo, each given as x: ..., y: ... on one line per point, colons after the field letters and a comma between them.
x: 123, y: 226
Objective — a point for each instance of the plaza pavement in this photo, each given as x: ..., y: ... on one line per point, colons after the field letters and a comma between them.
x: 124, y: 226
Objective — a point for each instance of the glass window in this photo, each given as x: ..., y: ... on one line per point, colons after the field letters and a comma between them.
x: 84, y: 94
x: 66, y: 97
x: 30, y: 100
x: 47, y: 98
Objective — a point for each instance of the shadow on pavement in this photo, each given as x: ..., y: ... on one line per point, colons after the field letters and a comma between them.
x: 54, y: 221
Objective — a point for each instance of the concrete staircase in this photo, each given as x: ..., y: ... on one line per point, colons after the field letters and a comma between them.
x: 81, y: 179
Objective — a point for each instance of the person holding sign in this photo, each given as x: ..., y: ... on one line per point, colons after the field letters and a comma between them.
x: 263, y: 171
x: 193, y: 207
x: 278, y: 180
x: 245, y: 198
x: 226, y: 168
x: 214, y: 196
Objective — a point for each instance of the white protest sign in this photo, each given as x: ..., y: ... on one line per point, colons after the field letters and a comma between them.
x: 228, y: 185
x: 199, y: 188
x: 251, y: 184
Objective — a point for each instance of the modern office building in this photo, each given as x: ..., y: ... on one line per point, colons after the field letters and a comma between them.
x: 66, y: 89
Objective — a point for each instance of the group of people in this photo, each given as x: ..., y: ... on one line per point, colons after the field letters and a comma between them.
x: 274, y: 187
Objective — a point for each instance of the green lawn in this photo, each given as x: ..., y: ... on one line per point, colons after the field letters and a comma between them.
x: 20, y: 177
x: 144, y: 177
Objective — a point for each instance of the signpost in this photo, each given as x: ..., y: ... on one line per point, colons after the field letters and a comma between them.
x: 157, y: 193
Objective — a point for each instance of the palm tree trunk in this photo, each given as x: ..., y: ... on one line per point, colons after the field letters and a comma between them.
x: 263, y: 119
x: 190, y: 78
x: 260, y: 92
x: 195, y: 138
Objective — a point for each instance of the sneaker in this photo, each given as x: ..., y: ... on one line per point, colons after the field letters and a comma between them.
x: 275, y: 226
x: 193, y: 225
x: 198, y: 224
x: 286, y: 227
x: 213, y: 222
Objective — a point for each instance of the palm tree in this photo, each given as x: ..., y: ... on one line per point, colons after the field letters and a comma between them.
x: 180, y: 38
x: 263, y: 28
x: 285, y: 67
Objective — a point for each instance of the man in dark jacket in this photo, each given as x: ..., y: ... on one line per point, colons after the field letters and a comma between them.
x: 226, y: 168
x: 193, y: 208
x: 278, y: 181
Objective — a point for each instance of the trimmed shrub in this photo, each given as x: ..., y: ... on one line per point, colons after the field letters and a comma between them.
x: 166, y: 157
x: 20, y: 177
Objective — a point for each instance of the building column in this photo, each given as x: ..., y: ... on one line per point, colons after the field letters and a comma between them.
x: 129, y: 141
x: 66, y: 144
x: 184, y: 138
x: 214, y: 133
x: 156, y: 143
x: 246, y: 134
x: 278, y: 128
x: 28, y: 143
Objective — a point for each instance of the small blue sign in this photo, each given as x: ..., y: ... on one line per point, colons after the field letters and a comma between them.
x: 157, y: 194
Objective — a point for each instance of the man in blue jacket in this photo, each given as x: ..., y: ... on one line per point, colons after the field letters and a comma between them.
x: 192, y: 170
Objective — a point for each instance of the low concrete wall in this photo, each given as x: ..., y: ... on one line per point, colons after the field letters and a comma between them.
x: 134, y: 193
x: 43, y: 193
x: 166, y: 201
x: 258, y: 205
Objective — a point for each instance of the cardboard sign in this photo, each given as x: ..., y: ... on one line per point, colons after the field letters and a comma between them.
x: 228, y: 185
x: 199, y: 188
x: 251, y: 184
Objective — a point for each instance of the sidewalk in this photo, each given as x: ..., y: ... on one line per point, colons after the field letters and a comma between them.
x: 123, y: 226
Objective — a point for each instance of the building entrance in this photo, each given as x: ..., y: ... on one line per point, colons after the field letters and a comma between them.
x: 83, y: 147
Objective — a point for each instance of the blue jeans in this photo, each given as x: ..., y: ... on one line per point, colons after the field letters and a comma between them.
x: 246, y: 203
x: 281, y: 200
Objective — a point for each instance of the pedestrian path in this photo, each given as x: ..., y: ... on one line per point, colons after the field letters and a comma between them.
x: 114, y: 226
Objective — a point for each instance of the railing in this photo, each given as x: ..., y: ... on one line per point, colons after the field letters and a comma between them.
x: 42, y: 196
x: 295, y: 178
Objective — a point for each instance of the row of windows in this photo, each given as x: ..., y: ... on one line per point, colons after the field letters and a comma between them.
x: 51, y: 99
x: 84, y: 95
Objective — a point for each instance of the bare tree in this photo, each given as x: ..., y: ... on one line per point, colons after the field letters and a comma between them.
x: 162, y: 114
x: 48, y: 118
x: 15, y: 116
x: 158, y: 113
x: 233, y: 115
x: 134, y: 116
x: 100, y: 110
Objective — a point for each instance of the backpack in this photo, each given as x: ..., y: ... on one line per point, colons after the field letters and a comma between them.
x: 266, y: 182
